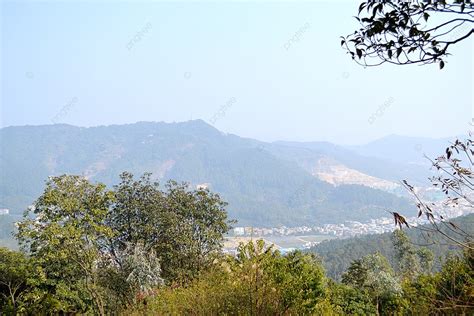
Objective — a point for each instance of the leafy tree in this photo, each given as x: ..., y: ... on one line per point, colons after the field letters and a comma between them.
x: 356, y: 274
x: 137, y: 276
x: 409, y: 32
x: 297, y: 278
x: 349, y: 300
x: 143, y: 269
x: 135, y: 214
x: 418, y: 295
x: 193, y: 223
x: 183, y: 227
x: 66, y: 238
x: 15, y: 270
x: 455, y: 285
x: 374, y: 275
x: 408, y: 261
x: 446, y: 292
x: 426, y: 258
x: 259, y: 281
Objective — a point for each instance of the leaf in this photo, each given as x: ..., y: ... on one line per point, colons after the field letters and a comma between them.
x: 441, y: 66
x: 426, y: 16
x: 399, y: 220
x: 448, y: 152
x: 399, y: 51
x: 359, y: 53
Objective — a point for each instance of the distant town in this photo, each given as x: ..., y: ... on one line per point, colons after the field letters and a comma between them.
x: 345, y: 230
x: 304, y: 237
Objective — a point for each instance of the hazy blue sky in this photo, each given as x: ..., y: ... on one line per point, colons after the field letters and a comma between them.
x: 78, y: 63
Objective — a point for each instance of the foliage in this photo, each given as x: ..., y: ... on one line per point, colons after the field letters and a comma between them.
x: 350, y: 300
x: 408, y: 262
x: 258, y: 281
x: 142, y: 249
x: 339, y: 253
x: 66, y: 239
x: 374, y: 275
x: 144, y: 269
x: 455, y: 285
x: 15, y: 269
x: 409, y: 32
x: 185, y: 227
x: 137, y: 276
x: 94, y: 250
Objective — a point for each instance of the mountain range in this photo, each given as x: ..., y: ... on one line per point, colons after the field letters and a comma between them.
x: 266, y: 184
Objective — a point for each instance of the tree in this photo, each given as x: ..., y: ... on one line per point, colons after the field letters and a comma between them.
x: 448, y: 292
x: 66, y: 238
x: 409, y: 32
x: 297, y: 279
x: 350, y: 300
x: 408, y: 262
x: 137, y: 277
x: 374, y: 275
x: 183, y: 227
x: 96, y: 250
x: 258, y: 281
x: 193, y: 223
x: 15, y: 270
x: 135, y: 214
x: 455, y: 285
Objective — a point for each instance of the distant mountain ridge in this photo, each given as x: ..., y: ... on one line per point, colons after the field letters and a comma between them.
x: 403, y: 149
x: 266, y: 184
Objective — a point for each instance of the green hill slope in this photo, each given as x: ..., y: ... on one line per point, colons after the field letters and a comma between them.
x: 262, y: 188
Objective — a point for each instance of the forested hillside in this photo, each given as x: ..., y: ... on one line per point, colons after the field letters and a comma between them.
x: 264, y: 184
x: 338, y: 254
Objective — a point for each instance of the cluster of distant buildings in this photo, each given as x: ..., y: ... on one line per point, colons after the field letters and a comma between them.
x: 347, y: 229
x: 272, y: 231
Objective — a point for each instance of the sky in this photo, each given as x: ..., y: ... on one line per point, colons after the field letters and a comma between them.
x: 259, y: 69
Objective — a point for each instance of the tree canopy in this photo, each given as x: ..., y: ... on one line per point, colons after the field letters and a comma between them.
x: 409, y: 32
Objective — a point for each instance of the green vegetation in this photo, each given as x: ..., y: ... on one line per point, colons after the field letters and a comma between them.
x: 266, y: 185
x: 140, y: 249
x: 338, y: 254
x: 259, y: 281
x: 88, y: 249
